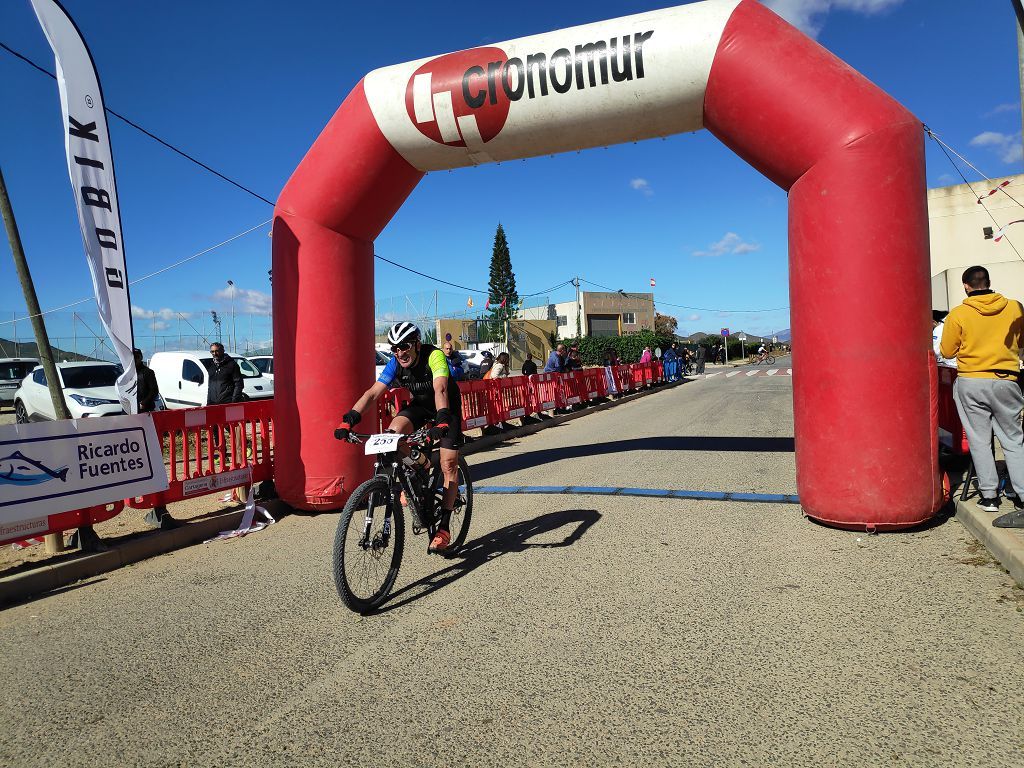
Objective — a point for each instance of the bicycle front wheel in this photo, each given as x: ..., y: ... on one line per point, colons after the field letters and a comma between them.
x: 769, y: 360
x: 368, y: 546
x: 463, y: 512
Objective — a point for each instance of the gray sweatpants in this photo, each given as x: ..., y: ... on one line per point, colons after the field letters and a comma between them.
x: 985, y: 404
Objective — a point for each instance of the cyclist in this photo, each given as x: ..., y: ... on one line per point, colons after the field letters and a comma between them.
x: 762, y: 353
x: 423, y: 370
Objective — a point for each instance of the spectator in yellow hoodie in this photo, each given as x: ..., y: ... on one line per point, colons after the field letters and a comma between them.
x: 984, y: 334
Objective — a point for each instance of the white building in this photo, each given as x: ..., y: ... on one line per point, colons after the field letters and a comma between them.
x: 600, y: 314
x: 957, y: 229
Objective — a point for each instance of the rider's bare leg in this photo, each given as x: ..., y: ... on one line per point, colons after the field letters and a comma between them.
x: 450, y: 468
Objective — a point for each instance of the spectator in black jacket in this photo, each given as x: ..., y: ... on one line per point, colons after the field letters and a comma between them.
x: 147, y: 389
x: 225, y: 378
x: 529, y: 366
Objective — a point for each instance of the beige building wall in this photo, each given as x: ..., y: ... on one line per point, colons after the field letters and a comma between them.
x: 599, y: 308
x: 956, y: 224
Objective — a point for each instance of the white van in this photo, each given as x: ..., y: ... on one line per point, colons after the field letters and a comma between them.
x: 12, y: 371
x: 183, y: 378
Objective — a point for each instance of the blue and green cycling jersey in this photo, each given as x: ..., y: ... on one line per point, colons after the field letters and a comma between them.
x: 419, y: 378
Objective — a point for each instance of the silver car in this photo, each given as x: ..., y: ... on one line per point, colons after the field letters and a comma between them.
x: 12, y: 371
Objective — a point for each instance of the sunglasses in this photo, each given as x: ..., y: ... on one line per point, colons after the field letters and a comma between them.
x: 405, y: 346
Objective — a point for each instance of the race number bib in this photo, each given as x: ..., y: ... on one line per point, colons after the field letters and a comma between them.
x: 386, y: 443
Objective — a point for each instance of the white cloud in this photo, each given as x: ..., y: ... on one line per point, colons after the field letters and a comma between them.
x: 1002, y: 108
x: 809, y: 15
x: 246, y: 300
x: 731, y: 243
x: 642, y: 185
x: 692, y: 318
x: 947, y: 179
x: 1007, y: 147
x: 139, y: 313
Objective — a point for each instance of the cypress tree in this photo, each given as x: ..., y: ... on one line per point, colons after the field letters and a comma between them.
x: 501, y: 285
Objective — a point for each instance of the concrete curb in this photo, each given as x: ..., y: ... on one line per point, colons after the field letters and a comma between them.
x: 46, y: 578
x: 14, y: 589
x: 1005, y: 544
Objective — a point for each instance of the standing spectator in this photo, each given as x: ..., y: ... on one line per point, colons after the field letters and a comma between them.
x: 148, y: 390
x: 529, y: 367
x: 225, y: 378
x: 671, y: 360
x: 148, y: 393
x: 500, y: 368
x: 454, y: 361
x: 938, y: 322
x: 556, y: 360
x: 573, y: 362
x: 645, y: 356
x: 984, y: 334
x: 702, y: 354
x: 610, y: 359
x: 485, y: 364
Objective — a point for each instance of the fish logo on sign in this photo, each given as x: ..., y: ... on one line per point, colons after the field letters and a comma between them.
x: 19, y: 469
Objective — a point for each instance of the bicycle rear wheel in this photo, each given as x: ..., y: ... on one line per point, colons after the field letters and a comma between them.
x: 463, y: 512
x: 368, y: 546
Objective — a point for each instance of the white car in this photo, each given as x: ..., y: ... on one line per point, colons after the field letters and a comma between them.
x: 264, y: 364
x: 88, y: 391
x: 183, y: 378
x: 12, y: 371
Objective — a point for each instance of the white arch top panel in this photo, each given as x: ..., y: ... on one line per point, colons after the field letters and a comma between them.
x: 632, y: 78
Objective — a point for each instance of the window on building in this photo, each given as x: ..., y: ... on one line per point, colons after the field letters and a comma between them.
x: 629, y: 318
x: 562, y: 320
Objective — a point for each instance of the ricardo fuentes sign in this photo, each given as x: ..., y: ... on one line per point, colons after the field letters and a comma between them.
x: 61, y: 466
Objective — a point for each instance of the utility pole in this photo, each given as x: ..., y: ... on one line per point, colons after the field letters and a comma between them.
x: 579, y: 311
x: 54, y: 541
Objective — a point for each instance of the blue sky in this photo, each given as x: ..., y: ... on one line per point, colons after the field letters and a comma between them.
x: 247, y: 88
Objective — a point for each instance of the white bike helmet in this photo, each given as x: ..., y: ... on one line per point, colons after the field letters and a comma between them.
x: 403, y: 332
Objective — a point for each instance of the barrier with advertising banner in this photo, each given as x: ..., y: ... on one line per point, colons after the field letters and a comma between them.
x: 49, y: 468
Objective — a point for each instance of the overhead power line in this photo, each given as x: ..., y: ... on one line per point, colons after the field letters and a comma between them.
x: 151, y: 135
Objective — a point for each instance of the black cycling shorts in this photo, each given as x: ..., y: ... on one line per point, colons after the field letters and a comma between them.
x: 419, y: 415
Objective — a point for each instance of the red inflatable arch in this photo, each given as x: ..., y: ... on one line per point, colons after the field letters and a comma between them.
x: 846, y: 152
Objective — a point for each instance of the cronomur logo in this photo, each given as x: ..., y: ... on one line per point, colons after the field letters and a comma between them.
x: 463, y: 99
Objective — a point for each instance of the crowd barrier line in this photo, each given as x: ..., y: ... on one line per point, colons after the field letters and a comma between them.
x: 220, y: 447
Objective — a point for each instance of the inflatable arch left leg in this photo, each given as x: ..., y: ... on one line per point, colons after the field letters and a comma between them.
x: 865, y: 430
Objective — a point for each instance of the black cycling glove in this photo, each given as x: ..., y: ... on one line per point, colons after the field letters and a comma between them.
x: 348, y: 421
x: 442, y: 423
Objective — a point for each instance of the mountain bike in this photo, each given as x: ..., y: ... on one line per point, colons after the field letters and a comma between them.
x: 370, y: 539
x: 766, y: 359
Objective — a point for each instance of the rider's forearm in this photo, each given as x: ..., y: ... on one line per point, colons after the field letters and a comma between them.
x: 441, y: 396
x: 369, y: 398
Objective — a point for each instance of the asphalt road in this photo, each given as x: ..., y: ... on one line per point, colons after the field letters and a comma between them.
x: 575, y: 630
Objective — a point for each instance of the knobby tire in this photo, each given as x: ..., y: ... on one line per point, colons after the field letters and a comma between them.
x: 347, y: 550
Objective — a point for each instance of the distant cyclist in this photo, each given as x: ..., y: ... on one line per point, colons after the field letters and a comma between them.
x: 423, y: 370
x: 762, y: 352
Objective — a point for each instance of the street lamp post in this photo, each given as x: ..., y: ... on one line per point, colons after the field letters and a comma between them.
x: 234, y: 337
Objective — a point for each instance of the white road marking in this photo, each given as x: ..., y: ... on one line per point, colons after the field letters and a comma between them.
x: 734, y: 373
x: 709, y: 375
x: 772, y: 372
x: 789, y: 371
x: 752, y: 373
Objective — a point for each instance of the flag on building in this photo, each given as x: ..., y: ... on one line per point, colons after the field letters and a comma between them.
x: 469, y: 302
x: 488, y: 304
x: 503, y: 300
x: 652, y: 282
x: 91, y: 167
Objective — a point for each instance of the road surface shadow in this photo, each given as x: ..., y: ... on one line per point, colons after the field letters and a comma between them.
x: 488, y: 469
x: 508, y: 540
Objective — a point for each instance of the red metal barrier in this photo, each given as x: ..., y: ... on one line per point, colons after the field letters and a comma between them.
x: 390, y: 403
x: 623, y: 377
x: 213, y: 448
x: 951, y: 430
x: 592, y: 383
x: 546, y: 392
x: 509, y: 398
x: 571, y: 388
x: 66, y: 521
x: 475, y: 405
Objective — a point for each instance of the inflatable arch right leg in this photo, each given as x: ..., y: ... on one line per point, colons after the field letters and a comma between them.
x: 847, y: 153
